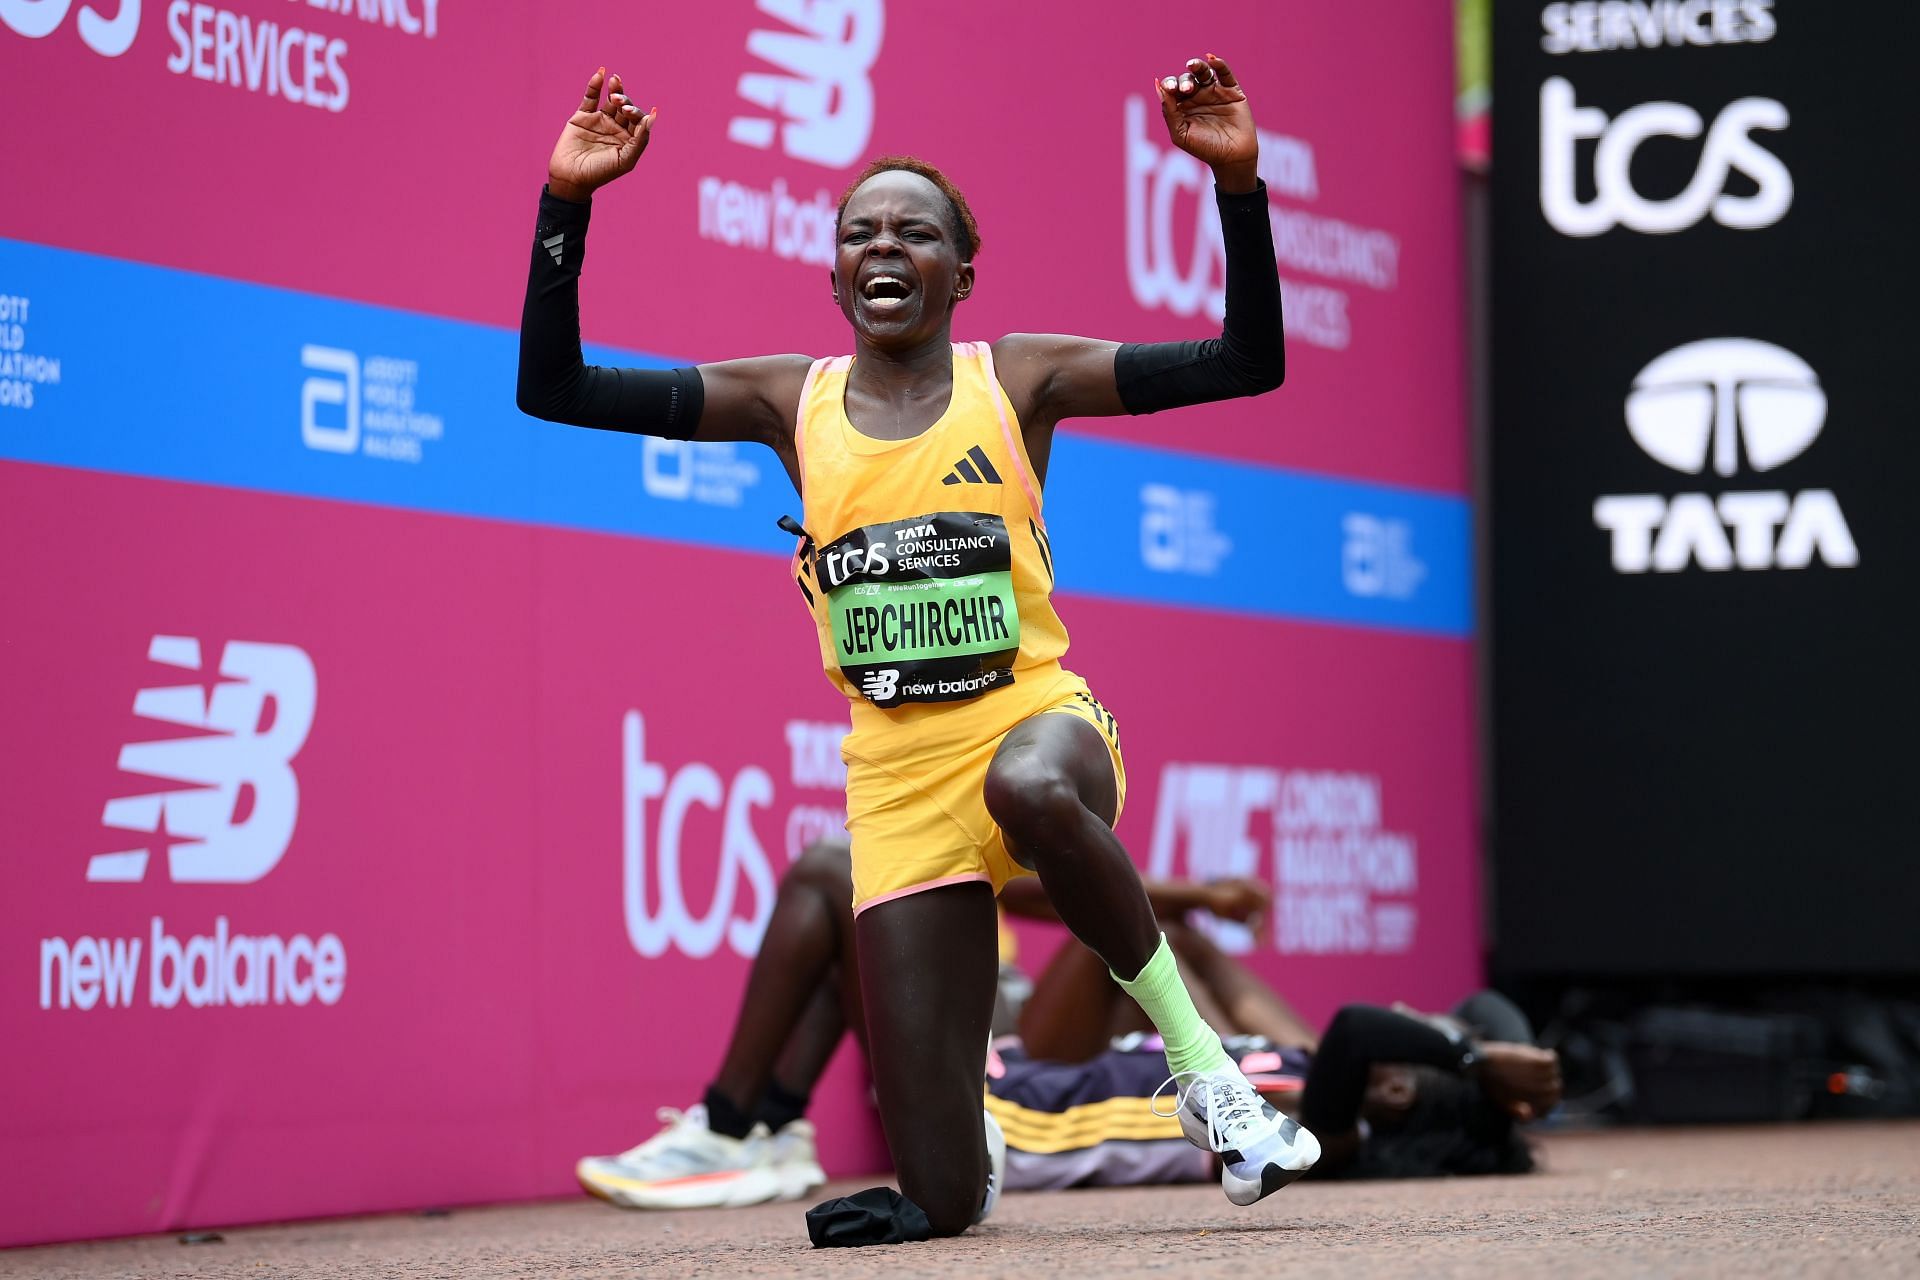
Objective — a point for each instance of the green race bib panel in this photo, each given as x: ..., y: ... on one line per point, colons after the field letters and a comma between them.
x: 922, y: 608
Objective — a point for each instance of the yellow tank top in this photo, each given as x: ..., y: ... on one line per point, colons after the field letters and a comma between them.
x: 926, y: 562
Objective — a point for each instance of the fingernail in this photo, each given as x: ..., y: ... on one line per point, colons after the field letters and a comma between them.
x: 1171, y: 83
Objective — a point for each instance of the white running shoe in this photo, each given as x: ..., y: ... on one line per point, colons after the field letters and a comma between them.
x: 996, y: 1167
x: 795, y: 1160
x: 1260, y: 1150
x: 685, y: 1166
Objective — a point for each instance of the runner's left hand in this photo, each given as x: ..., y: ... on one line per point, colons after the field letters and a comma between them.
x: 1208, y: 118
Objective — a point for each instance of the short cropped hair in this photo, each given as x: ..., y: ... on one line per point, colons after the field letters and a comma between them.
x: 965, y: 232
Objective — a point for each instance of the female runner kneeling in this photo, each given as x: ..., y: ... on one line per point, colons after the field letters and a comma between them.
x: 974, y: 756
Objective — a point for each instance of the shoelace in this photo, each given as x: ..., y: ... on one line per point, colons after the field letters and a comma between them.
x: 1231, y: 1107
x: 672, y: 1119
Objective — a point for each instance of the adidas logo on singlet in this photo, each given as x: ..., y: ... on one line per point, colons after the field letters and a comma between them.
x: 972, y: 469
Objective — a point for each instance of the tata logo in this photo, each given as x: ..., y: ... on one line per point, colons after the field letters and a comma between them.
x: 232, y: 817
x: 1729, y: 147
x: 659, y: 918
x: 1732, y: 405
x: 823, y: 91
x: 108, y: 37
x: 1723, y: 397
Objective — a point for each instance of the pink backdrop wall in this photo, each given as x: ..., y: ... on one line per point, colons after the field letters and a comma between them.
x: 460, y: 812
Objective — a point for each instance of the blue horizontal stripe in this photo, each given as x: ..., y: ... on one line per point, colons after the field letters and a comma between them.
x: 178, y: 376
x: 1175, y: 528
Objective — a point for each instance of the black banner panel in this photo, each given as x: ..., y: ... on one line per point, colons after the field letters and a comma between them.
x: 1704, y: 483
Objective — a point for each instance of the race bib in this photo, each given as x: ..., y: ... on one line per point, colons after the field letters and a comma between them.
x: 922, y: 609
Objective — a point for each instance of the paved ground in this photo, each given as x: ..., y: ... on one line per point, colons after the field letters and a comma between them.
x: 1793, y: 1201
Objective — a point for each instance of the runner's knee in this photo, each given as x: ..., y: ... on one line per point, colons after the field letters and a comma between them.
x: 949, y: 1194
x: 954, y: 1217
x: 930, y: 1095
x: 826, y: 864
x: 1027, y: 797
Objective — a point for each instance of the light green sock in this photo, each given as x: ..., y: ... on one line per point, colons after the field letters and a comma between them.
x: 1192, y: 1045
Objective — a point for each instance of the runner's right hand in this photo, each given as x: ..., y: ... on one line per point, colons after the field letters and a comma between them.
x: 601, y: 141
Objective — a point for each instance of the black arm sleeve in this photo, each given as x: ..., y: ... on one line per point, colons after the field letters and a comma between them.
x: 1248, y: 357
x: 555, y: 383
x: 1361, y: 1035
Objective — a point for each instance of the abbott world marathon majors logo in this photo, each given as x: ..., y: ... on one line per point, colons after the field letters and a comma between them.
x: 809, y: 90
x: 714, y: 472
x: 370, y: 407
x: 659, y: 804
x: 1179, y: 532
x: 1344, y: 882
x: 1726, y: 405
x: 257, y: 48
x: 25, y: 374
x: 227, y: 820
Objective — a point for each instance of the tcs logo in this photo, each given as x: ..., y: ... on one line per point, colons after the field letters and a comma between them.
x: 1729, y: 146
x: 108, y: 37
x: 658, y: 917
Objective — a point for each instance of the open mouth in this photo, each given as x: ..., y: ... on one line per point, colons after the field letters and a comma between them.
x: 885, y: 292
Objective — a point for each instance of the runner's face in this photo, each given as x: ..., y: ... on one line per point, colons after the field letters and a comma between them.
x: 897, y: 271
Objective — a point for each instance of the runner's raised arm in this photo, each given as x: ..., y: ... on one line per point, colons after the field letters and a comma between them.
x: 1053, y: 376
x: 749, y: 399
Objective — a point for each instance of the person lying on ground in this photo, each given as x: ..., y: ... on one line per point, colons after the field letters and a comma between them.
x: 1073, y: 1088
x: 747, y: 1140
x: 1392, y: 1092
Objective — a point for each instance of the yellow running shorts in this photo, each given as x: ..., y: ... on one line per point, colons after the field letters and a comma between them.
x: 916, y: 801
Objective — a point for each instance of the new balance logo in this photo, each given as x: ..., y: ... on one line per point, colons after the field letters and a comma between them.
x: 973, y: 469
x: 824, y: 54
x: 552, y: 245
x: 238, y: 765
